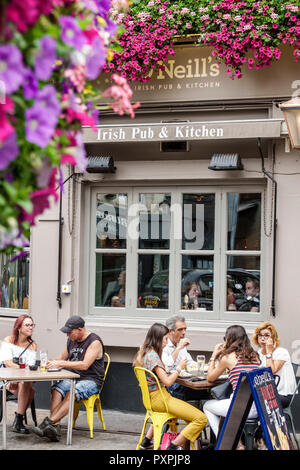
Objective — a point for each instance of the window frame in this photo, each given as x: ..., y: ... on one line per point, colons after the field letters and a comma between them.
x: 133, y: 314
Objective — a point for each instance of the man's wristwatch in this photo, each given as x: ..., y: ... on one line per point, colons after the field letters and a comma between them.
x: 269, y: 355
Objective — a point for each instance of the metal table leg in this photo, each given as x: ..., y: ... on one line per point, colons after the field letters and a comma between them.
x: 4, y: 417
x: 71, y: 410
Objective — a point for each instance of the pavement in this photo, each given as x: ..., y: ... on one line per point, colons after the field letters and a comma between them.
x: 122, y: 432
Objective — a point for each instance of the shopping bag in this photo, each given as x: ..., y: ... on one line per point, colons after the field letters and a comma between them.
x: 168, y: 437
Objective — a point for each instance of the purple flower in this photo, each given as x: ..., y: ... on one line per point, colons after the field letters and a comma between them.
x: 96, y: 59
x: 8, y: 150
x: 46, y: 98
x: 45, y: 58
x: 30, y: 84
x: 40, y: 125
x: 11, y: 67
x: 71, y: 33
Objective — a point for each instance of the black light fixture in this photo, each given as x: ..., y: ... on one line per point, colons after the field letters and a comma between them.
x: 225, y: 161
x: 100, y: 164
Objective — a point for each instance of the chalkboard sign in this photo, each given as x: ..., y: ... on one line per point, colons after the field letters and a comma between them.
x: 257, y: 386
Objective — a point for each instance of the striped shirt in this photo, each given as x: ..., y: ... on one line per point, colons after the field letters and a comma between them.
x: 239, y: 367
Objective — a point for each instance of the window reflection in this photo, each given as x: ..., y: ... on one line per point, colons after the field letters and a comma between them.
x: 243, y: 283
x: 155, y: 219
x: 197, y: 283
x: 110, y: 280
x: 153, y: 281
x: 198, y: 222
x: 111, y: 220
x: 244, y: 221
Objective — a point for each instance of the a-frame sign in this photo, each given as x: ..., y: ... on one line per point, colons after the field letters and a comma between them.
x: 258, y: 386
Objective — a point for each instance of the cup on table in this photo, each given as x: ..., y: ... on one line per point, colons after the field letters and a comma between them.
x: 22, y: 362
x: 201, y: 364
x: 43, y: 359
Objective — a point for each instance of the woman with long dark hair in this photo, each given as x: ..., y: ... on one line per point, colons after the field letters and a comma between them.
x: 236, y: 355
x: 20, y: 343
x: 149, y: 357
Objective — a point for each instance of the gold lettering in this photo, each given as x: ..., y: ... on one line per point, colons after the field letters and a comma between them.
x: 189, y: 69
x: 197, y: 69
x: 169, y: 72
x: 179, y: 71
x: 204, y: 74
x: 214, y: 70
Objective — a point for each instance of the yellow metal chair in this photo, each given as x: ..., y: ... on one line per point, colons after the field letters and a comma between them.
x: 158, y: 419
x: 90, y: 404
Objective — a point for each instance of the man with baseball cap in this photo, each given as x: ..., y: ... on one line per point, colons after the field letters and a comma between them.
x: 83, y: 354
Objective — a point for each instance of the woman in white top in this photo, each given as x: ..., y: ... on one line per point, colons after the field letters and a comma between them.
x: 13, y: 346
x: 271, y: 355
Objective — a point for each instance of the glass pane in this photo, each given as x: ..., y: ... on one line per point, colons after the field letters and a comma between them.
x: 111, y: 220
x: 198, y: 224
x: 14, y: 281
x: 244, y: 221
x: 153, y: 281
x: 110, y: 280
x: 155, y: 219
x: 197, y: 282
x: 243, y: 283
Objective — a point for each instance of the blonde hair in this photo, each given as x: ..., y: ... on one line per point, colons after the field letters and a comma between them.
x: 266, y: 326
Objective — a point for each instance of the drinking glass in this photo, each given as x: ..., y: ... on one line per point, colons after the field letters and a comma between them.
x: 43, y: 359
x: 22, y: 362
x: 201, y: 364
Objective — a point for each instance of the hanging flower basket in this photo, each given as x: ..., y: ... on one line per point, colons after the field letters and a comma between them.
x: 241, y: 33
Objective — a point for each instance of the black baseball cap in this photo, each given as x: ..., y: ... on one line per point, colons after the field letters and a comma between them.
x: 72, y: 323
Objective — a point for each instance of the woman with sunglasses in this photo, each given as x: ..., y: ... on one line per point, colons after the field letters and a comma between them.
x: 278, y: 358
x: 237, y: 355
x: 149, y: 357
x: 20, y: 343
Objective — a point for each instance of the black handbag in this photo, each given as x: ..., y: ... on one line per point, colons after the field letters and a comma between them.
x: 16, y: 358
x: 222, y: 391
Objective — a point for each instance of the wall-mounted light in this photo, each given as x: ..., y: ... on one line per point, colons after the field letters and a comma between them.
x: 225, y: 161
x: 100, y: 165
x: 291, y: 114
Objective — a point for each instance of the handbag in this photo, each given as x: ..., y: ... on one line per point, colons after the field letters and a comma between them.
x: 222, y: 391
x: 16, y: 358
x: 168, y: 437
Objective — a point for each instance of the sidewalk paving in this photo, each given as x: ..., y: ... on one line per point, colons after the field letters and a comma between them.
x: 122, y: 432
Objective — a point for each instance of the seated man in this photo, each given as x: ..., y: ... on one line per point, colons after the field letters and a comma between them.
x: 174, y: 352
x: 83, y: 355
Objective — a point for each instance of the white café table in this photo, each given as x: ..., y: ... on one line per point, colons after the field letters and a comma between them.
x: 12, y: 374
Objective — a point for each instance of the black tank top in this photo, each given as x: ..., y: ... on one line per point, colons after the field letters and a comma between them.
x: 76, y: 352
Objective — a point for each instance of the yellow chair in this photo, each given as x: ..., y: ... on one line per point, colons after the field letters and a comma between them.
x: 158, y: 419
x: 90, y: 404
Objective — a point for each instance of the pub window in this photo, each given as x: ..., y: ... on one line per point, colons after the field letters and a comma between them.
x: 111, y: 244
x: 14, y: 282
x: 160, y: 252
x: 243, y: 252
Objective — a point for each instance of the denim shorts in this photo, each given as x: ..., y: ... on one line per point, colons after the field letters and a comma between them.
x: 83, y: 388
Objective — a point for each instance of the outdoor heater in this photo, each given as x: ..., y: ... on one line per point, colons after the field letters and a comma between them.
x: 225, y: 161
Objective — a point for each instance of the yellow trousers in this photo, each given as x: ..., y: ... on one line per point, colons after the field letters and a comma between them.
x: 179, y: 408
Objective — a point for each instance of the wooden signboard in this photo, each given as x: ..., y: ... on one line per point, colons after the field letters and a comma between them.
x: 257, y: 386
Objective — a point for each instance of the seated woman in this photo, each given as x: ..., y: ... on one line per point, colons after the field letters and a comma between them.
x: 191, y: 293
x: 14, y: 346
x: 237, y: 355
x: 149, y: 357
x: 271, y: 355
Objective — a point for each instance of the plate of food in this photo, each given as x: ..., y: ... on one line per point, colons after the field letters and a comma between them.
x: 184, y: 374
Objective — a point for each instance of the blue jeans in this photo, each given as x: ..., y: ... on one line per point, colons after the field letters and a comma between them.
x: 83, y: 388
